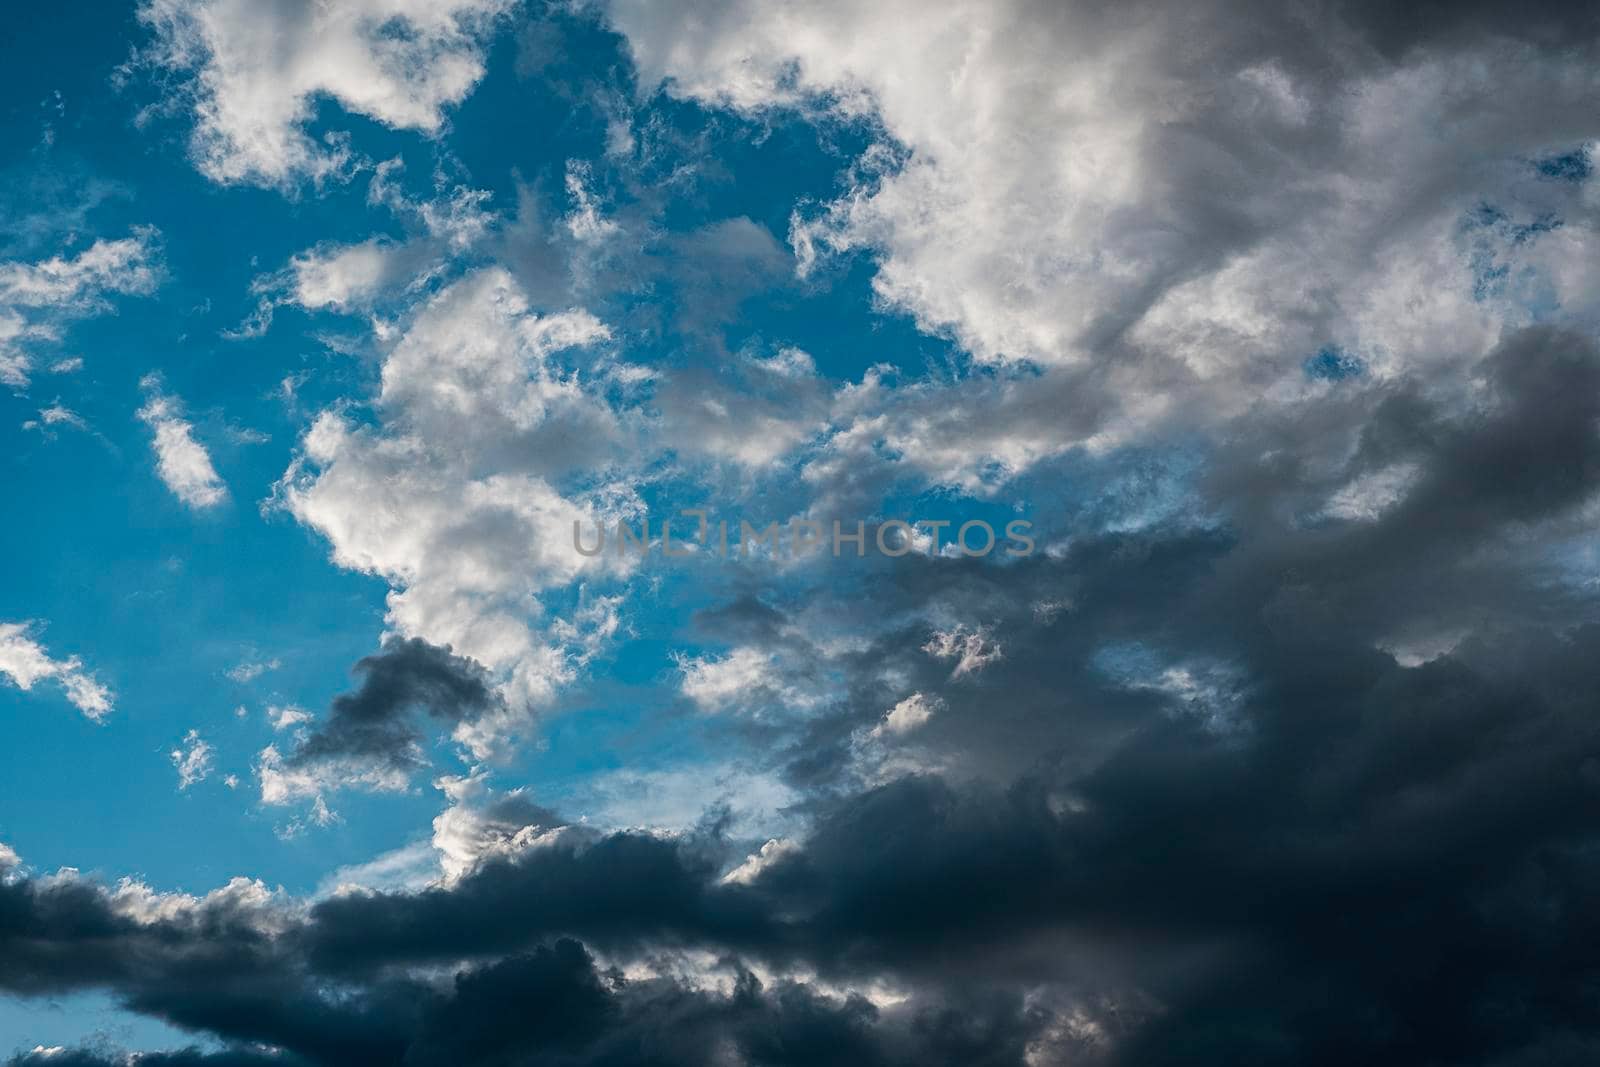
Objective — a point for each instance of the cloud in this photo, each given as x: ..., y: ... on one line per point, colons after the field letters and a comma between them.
x: 283, y: 718
x: 38, y: 298
x: 256, y: 74
x: 249, y: 670
x: 1280, y: 750
x: 972, y: 649
x: 53, y: 416
x: 182, y: 463
x: 910, y: 713
x: 714, y: 684
x: 369, y: 738
x: 24, y: 662
x: 451, y: 496
x: 1170, y: 209
x: 192, y: 759
x: 356, y: 278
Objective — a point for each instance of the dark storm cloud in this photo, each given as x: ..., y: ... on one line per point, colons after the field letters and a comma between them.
x: 376, y: 722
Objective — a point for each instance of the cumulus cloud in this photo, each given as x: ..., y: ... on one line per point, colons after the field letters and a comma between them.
x: 24, y: 662
x: 255, y: 75
x: 714, y: 683
x: 451, y: 496
x: 182, y: 462
x: 910, y: 713
x: 1188, y: 208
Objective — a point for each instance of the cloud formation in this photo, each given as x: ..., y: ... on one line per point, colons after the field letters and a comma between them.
x: 256, y: 72
x: 38, y: 298
x: 24, y: 662
x: 182, y: 463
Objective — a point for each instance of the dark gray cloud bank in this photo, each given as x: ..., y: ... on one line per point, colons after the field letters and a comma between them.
x: 1308, y: 853
x: 1297, y: 774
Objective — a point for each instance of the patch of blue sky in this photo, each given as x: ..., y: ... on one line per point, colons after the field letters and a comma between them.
x: 1575, y: 165
x: 86, y: 1019
x: 1495, y: 241
x: 1333, y: 363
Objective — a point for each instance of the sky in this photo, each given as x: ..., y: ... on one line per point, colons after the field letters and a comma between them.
x: 1260, y: 338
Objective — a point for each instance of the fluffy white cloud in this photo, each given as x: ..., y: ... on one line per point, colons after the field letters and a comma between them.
x: 192, y: 759
x: 479, y: 824
x: 1188, y: 209
x: 350, y: 278
x: 910, y: 713
x: 37, y: 298
x: 288, y: 717
x: 182, y: 462
x: 24, y: 661
x: 450, y: 498
x: 745, y: 675
x: 259, y: 69
x: 770, y: 853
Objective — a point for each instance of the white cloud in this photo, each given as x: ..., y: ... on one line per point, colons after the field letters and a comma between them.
x: 745, y: 674
x: 447, y: 497
x: 284, y: 718
x: 972, y: 649
x: 771, y: 853
x: 260, y: 69
x: 24, y: 661
x: 249, y: 670
x: 912, y: 712
x: 37, y: 298
x: 192, y: 759
x: 182, y: 462
x: 339, y: 276
x: 81, y: 283
x: 477, y: 824
x: 285, y: 783
x: 1144, y: 196
x: 353, y: 278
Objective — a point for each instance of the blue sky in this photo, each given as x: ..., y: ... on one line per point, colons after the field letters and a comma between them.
x: 320, y: 324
